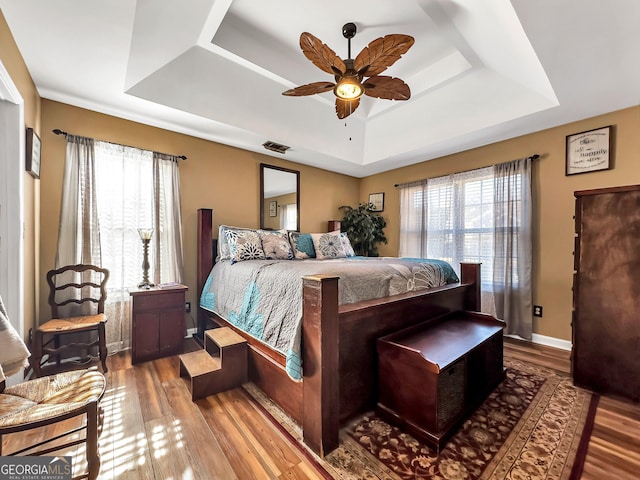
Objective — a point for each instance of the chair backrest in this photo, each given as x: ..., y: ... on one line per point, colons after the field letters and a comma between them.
x: 82, y: 289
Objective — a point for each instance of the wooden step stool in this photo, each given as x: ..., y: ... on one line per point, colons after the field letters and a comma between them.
x: 220, y: 366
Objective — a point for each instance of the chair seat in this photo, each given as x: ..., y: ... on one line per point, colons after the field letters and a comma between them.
x: 59, y: 325
x: 49, y: 397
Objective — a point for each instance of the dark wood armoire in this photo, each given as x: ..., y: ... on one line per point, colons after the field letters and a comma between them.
x: 606, y: 292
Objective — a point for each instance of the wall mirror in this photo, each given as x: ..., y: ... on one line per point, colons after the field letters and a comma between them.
x: 279, y: 198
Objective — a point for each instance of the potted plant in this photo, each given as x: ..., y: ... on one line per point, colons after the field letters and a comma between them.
x: 364, y: 227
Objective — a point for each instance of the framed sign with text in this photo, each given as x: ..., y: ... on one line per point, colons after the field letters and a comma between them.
x: 377, y: 200
x: 589, y: 151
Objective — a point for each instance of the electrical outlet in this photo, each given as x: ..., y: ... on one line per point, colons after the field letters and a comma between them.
x: 537, y: 311
x: 187, y: 307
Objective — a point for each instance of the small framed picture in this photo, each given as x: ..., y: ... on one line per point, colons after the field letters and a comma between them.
x: 589, y: 151
x: 33, y: 153
x: 273, y: 208
x: 377, y: 199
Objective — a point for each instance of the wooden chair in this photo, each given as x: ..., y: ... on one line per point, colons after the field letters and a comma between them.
x: 51, y: 400
x: 76, y: 306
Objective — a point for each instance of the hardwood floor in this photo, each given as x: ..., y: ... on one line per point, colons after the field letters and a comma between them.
x: 152, y: 430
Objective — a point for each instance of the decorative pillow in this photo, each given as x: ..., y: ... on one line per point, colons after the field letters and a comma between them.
x: 302, y: 245
x: 244, y: 245
x: 276, y: 244
x: 224, y: 253
x: 346, y: 244
x: 328, y: 245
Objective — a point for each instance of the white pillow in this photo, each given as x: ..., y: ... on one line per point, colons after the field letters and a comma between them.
x: 224, y: 252
x: 275, y: 244
x: 244, y: 245
x: 346, y: 244
x: 328, y: 245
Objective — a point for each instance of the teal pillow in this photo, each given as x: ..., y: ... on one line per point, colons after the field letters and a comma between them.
x: 302, y: 245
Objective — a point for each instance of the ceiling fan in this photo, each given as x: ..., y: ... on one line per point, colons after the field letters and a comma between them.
x: 374, y: 59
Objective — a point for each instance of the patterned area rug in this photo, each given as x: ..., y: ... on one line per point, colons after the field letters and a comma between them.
x: 535, y: 425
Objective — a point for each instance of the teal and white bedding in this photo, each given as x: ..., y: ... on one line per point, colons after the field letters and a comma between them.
x: 264, y: 297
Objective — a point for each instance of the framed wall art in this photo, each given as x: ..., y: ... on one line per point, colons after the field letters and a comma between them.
x: 377, y: 199
x: 273, y: 208
x: 33, y: 153
x: 589, y: 151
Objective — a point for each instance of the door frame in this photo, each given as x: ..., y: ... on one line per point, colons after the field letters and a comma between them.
x: 12, y: 156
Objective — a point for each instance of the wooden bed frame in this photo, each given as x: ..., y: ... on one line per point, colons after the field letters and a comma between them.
x: 338, y: 344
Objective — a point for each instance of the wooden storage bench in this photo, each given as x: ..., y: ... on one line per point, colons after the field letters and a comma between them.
x: 433, y: 375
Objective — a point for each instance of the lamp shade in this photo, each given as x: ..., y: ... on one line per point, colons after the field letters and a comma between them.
x: 145, y: 233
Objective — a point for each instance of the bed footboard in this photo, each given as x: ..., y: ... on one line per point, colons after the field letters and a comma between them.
x: 340, y: 363
x: 320, y: 396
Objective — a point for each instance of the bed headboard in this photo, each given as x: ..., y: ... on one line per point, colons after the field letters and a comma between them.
x: 206, y: 246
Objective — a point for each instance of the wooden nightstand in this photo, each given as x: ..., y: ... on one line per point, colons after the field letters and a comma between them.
x: 157, y: 322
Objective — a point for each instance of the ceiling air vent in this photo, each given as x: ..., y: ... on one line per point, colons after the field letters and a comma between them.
x: 275, y: 147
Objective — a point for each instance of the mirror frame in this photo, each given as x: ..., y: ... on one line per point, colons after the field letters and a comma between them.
x: 282, y: 169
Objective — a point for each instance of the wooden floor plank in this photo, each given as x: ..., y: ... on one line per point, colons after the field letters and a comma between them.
x: 201, y: 445
x: 240, y: 453
x: 124, y: 445
x: 169, y: 455
x: 276, y: 451
x: 149, y: 387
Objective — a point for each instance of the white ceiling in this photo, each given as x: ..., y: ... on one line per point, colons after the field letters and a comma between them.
x: 479, y: 71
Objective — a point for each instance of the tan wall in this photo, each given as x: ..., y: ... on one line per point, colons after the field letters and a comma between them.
x: 14, y: 63
x: 553, y: 205
x: 215, y: 176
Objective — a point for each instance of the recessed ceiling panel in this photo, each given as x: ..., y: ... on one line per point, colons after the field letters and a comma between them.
x: 479, y: 71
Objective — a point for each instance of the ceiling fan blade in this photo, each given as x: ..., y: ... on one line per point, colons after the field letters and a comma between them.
x: 344, y: 108
x: 381, y: 53
x: 321, y: 55
x: 310, y: 89
x: 388, y: 88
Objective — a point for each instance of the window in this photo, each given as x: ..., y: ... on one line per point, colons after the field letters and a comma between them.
x: 124, y: 193
x: 482, y: 216
x: 452, y: 218
x: 109, y: 192
x: 289, y: 216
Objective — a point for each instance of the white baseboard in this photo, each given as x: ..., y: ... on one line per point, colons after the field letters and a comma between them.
x: 548, y: 341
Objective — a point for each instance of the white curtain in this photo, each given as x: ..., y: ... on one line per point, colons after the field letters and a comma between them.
x: 167, y: 219
x: 484, y: 216
x: 126, y: 188
x: 79, y: 228
x: 289, y: 216
x: 125, y: 199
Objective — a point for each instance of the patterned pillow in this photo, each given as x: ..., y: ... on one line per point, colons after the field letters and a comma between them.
x: 302, y: 245
x: 346, y: 244
x: 224, y: 253
x: 328, y: 245
x: 244, y: 245
x: 276, y: 244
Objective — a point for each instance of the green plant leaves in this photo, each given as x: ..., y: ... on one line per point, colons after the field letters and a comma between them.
x: 364, y: 227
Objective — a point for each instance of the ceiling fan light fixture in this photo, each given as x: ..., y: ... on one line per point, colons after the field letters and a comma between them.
x: 349, y: 74
x: 348, y: 88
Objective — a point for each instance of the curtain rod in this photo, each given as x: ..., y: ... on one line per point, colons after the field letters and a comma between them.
x: 535, y: 156
x: 57, y: 131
